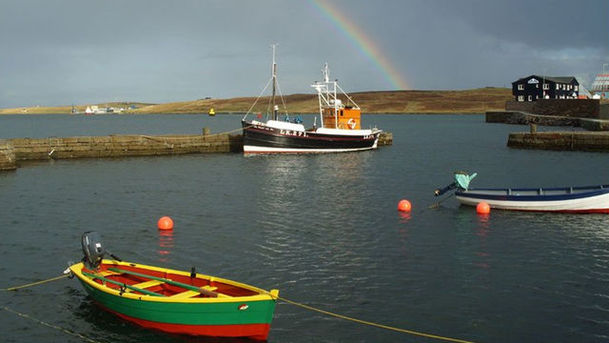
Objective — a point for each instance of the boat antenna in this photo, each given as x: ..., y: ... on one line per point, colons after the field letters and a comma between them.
x: 274, y: 77
x: 326, y: 73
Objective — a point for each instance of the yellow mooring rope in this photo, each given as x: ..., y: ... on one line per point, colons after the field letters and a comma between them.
x: 311, y: 308
x: 52, y: 326
x: 56, y: 327
x: 386, y: 327
x: 36, y: 283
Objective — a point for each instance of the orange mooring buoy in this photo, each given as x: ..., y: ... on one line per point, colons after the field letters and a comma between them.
x: 483, y: 208
x: 165, y: 223
x: 404, y: 206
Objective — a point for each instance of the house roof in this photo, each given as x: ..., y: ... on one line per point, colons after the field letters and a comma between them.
x: 557, y: 79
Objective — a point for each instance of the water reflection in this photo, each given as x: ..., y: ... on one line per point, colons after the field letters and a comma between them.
x: 403, y: 236
x: 468, y: 222
x: 482, y: 230
x: 165, y: 245
x: 404, y: 217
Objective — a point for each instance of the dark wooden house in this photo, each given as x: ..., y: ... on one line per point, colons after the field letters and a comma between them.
x: 535, y: 87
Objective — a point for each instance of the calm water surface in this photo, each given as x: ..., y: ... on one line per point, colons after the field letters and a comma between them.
x: 321, y: 228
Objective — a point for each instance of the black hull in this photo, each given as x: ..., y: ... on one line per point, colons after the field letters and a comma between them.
x: 264, y: 139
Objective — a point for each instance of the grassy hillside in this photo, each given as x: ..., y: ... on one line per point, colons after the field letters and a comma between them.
x: 66, y: 109
x: 416, y: 101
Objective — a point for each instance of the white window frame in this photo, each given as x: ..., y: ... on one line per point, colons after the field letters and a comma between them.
x: 546, y: 86
x: 520, y: 87
x: 521, y: 98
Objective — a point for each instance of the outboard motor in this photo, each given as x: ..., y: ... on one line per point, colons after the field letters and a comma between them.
x: 462, y: 180
x: 92, y: 249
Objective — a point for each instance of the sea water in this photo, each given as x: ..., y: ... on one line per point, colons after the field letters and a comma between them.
x: 323, y: 229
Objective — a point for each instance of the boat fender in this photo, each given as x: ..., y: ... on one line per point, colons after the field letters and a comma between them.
x: 193, y: 273
x: 68, y: 271
x: 351, y: 123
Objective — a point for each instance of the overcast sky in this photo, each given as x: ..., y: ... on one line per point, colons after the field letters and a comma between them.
x: 55, y: 52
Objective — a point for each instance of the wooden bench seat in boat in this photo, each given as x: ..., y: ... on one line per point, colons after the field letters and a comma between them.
x: 147, y: 284
x: 107, y: 273
x: 206, y: 290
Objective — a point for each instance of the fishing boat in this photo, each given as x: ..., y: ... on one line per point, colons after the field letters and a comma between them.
x: 173, y: 301
x: 339, y: 129
x: 586, y: 199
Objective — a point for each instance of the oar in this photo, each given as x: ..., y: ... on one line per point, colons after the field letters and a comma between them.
x: 168, y: 281
x: 137, y: 289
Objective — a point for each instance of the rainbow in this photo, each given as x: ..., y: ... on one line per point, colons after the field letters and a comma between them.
x: 358, y: 38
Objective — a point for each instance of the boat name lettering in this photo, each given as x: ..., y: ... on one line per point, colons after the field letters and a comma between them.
x: 262, y: 127
x: 293, y: 133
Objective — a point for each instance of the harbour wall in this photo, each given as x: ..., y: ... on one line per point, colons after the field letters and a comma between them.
x: 575, y: 108
x: 570, y: 141
x: 7, y: 156
x: 525, y: 118
x: 589, y: 114
x: 24, y: 149
x: 122, y: 146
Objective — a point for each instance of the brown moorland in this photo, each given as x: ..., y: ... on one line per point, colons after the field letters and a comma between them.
x: 391, y: 102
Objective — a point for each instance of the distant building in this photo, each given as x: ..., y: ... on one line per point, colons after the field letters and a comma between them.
x: 600, y: 86
x: 535, y: 87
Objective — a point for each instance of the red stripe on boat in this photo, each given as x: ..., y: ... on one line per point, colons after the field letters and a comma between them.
x: 253, y: 331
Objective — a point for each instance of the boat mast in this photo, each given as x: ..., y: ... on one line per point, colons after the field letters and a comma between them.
x: 274, y: 76
x: 330, y: 93
x: 333, y: 95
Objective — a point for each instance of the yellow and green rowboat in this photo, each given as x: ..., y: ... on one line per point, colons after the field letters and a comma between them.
x: 178, y: 302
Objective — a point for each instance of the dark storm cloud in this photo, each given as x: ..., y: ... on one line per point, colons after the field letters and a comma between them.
x: 86, y: 51
x: 551, y: 24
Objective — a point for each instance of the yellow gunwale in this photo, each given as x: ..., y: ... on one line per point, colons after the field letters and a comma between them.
x: 262, y: 296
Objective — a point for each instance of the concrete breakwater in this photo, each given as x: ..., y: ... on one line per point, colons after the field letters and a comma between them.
x: 563, y: 140
x: 23, y: 149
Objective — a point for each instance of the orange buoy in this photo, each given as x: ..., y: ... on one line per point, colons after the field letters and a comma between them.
x: 404, y: 206
x: 165, y: 223
x: 483, y: 208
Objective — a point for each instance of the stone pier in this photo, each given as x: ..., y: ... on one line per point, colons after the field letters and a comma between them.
x: 561, y: 140
x: 25, y: 149
x: 7, y: 156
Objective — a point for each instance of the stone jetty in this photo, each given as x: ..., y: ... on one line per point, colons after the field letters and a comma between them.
x: 25, y: 149
x: 560, y: 140
x: 590, y: 114
x: 7, y: 156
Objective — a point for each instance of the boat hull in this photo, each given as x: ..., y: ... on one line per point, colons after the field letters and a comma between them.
x: 591, y: 199
x: 259, y: 138
x: 248, y: 316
